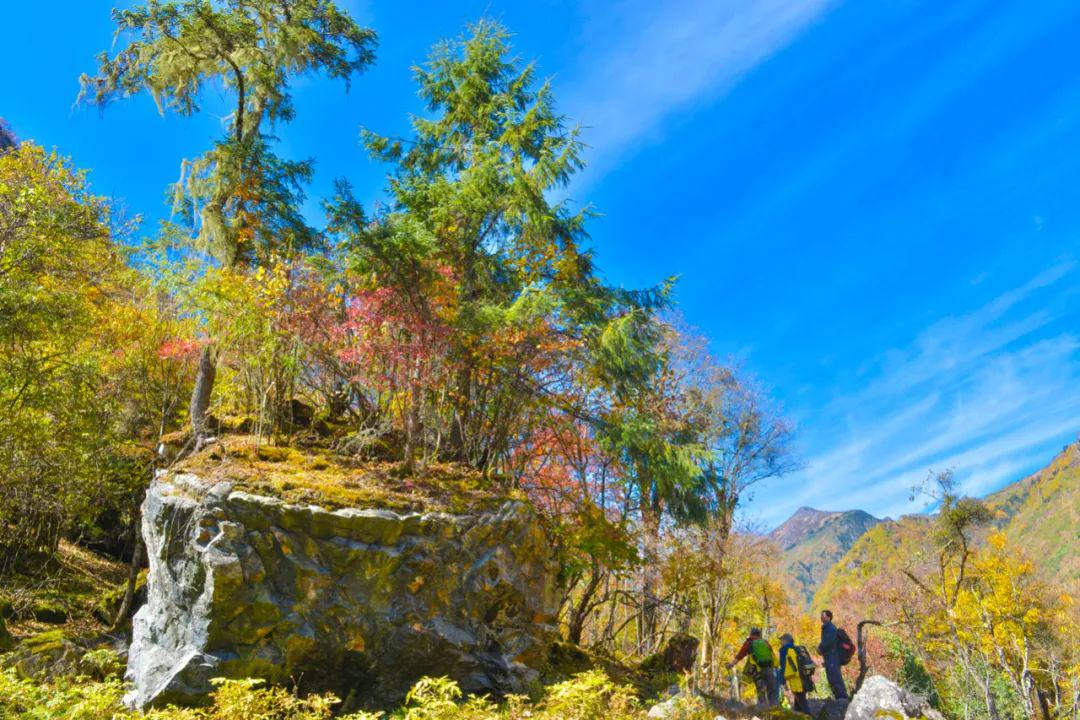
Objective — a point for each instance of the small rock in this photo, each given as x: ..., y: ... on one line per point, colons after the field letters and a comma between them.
x: 828, y: 709
x: 678, y: 656
x: 664, y: 710
x: 45, y: 655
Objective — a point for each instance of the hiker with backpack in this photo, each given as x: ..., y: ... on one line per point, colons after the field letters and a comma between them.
x: 760, y: 666
x: 796, y: 671
x: 836, y: 650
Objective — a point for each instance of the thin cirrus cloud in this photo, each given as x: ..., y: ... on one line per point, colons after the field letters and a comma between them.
x: 989, y: 394
x: 663, y: 58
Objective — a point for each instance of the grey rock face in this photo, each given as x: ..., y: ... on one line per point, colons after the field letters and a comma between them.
x: 880, y: 697
x: 358, y: 602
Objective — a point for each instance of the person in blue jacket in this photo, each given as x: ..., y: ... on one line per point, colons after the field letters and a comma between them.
x: 829, y: 649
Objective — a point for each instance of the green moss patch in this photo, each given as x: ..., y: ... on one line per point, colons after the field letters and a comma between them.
x: 49, y: 610
x: 318, y: 476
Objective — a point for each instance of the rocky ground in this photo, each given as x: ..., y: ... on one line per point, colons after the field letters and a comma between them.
x: 878, y: 699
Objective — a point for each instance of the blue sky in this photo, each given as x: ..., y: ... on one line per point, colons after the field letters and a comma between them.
x: 872, y: 207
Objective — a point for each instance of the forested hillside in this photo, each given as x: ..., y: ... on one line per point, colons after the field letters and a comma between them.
x: 1041, y: 515
x: 886, y: 547
x: 974, y: 584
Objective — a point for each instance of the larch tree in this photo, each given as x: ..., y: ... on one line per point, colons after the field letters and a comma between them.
x: 242, y: 200
x: 747, y: 437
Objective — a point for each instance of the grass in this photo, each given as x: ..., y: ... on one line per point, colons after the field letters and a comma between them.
x: 71, y: 588
x: 317, y: 476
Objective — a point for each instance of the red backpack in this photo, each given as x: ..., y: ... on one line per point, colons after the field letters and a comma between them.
x: 845, y: 646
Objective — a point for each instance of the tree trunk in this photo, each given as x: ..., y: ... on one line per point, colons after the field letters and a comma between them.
x: 133, y: 571
x: 650, y: 520
x: 1044, y: 704
x: 200, y: 395
x: 580, y: 612
x: 860, y: 643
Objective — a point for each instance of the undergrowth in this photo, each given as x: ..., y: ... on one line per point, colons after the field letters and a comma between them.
x: 587, y: 696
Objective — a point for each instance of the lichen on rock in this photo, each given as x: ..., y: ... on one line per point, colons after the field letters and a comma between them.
x: 361, y: 602
x: 881, y: 699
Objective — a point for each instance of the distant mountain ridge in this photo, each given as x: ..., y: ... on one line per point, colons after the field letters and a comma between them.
x: 812, y: 541
x: 1040, y: 515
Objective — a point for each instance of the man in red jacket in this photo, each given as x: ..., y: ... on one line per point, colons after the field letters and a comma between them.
x: 763, y: 661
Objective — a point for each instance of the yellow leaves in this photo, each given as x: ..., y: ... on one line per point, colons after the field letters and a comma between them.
x: 997, y: 541
x: 272, y: 283
x: 1000, y: 611
x: 265, y: 287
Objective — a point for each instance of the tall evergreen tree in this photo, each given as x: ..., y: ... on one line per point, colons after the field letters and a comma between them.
x: 476, y: 190
x: 472, y: 193
x: 244, y: 199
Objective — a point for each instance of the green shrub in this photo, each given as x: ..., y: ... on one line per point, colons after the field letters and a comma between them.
x: 65, y: 699
x: 102, y: 664
x: 590, y: 695
x: 246, y: 700
x: 587, y: 696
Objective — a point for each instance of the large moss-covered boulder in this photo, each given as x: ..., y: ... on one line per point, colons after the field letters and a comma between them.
x: 361, y: 602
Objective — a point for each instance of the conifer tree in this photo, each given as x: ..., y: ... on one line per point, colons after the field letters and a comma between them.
x: 471, y: 193
x: 243, y: 200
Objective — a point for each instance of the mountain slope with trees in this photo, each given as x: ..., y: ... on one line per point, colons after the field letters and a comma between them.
x: 812, y: 541
x: 961, y: 608
x: 1041, y: 514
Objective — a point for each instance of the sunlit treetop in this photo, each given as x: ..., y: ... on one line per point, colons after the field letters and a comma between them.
x: 244, y: 201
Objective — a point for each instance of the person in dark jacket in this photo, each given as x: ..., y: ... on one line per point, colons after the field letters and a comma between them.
x: 829, y: 649
x: 788, y: 673
x: 762, y: 670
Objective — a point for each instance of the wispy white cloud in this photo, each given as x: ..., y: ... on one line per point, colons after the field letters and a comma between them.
x: 652, y: 60
x: 990, y: 394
